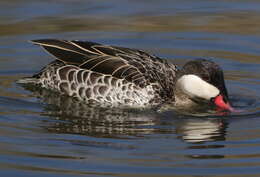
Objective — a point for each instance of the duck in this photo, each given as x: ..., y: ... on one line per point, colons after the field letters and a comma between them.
x: 124, y: 77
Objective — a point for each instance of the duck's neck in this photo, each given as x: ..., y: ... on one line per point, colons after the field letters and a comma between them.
x: 181, y: 99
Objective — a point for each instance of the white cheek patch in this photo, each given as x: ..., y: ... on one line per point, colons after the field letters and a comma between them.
x: 194, y: 86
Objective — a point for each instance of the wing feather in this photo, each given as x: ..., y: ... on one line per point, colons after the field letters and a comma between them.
x: 133, y: 65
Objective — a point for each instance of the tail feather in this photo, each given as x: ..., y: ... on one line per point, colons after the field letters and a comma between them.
x: 28, y: 80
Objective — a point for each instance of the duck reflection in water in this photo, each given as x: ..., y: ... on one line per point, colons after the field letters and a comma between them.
x: 76, y: 117
x: 201, y: 130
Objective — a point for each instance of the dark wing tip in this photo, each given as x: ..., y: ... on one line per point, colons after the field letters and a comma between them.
x: 65, y: 50
x: 45, y: 41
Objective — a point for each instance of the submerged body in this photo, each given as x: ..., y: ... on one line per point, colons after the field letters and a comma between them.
x: 117, y: 76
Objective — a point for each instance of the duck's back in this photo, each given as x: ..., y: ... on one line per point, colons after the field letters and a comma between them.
x: 106, y: 74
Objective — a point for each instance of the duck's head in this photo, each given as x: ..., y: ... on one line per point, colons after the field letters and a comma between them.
x: 202, y: 81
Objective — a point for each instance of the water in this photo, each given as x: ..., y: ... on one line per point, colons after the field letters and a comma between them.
x: 48, y: 135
